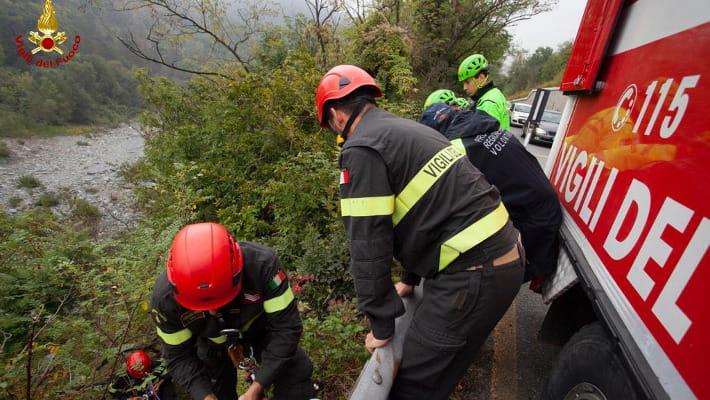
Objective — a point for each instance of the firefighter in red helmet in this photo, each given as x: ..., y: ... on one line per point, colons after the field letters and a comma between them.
x: 218, y: 295
x: 407, y: 193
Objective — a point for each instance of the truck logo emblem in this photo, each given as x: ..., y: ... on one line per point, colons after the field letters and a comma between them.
x: 622, y: 112
x: 46, y: 40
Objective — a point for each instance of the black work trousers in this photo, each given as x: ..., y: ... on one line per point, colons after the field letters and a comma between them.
x: 293, y: 383
x: 457, y: 313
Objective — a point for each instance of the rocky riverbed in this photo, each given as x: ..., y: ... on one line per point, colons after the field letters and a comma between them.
x: 84, y: 167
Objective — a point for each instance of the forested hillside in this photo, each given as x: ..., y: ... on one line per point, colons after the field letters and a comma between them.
x: 542, y: 68
x: 95, y: 87
x: 236, y: 143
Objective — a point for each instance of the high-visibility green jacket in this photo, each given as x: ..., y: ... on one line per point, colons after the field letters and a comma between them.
x: 265, y: 311
x: 407, y: 193
x: 491, y: 100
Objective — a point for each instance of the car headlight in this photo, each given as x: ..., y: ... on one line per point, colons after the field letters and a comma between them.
x: 539, y: 131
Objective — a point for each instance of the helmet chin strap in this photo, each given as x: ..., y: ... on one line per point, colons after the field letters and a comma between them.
x: 478, y: 86
x: 343, y: 136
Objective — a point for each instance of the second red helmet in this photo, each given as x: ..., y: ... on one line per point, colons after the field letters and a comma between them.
x: 138, y: 364
x: 339, y: 82
x: 205, y: 266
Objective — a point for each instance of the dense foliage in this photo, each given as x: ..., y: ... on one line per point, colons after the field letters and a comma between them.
x: 88, y: 90
x: 544, y: 67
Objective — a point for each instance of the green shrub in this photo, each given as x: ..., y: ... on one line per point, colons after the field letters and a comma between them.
x: 28, y: 182
x: 48, y: 199
x: 335, y: 344
x: 269, y: 173
x: 89, y: 300
x: 133, y: 172
x: 85, y: 213
x: 4, y: 151
x: 82, y: 143
x: 14, y: 201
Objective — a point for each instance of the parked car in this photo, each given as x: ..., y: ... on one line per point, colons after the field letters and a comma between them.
x: 519, y: 113
x: 546, y: 130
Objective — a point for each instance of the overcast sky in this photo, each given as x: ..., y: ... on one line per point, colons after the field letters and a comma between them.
x: 550, y: 28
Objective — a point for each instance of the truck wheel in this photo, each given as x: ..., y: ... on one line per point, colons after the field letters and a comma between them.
x: 589, y: 367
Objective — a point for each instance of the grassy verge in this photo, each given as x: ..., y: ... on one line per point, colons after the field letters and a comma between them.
x: 49, y: 130
x: 13, y: 129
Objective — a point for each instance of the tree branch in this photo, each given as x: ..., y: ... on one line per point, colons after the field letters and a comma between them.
x: 191, y: 18
x: 134, y: 48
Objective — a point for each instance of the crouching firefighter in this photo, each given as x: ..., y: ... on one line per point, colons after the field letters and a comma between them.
x: 407, y: 193
x: 524, y: 187
x: 217, y: 293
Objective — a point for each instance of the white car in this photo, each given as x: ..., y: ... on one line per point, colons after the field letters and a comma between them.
x: 519, y: 113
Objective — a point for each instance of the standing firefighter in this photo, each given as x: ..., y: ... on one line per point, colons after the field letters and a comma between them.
x: 473, y: 72
x: 524, y: 188
x: 213, y: 284
x: 407, y: 193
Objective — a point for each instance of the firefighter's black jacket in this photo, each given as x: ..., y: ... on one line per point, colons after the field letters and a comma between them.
x: 524, y: 187
x: 265, y: 309
x: 406, y: 192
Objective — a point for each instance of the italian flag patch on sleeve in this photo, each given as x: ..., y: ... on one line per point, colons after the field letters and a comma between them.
x: 344, y: 177
x: 277, y: 281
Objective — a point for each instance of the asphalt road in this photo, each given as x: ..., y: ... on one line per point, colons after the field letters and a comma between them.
x: 513, y: 364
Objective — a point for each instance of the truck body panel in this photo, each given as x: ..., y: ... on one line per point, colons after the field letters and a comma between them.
x: 630, y: 165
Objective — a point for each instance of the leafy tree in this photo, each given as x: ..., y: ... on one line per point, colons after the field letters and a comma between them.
x: 544, y: 66
x: 445, y: 32
x: 384, y: 50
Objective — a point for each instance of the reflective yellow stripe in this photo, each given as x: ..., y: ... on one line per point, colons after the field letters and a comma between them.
x: 279, y: 303
x: 458, y: 144
x: 423, y: 181
x: 219, y: 340
x: 367, y: 206
x: 472, y: 235
x: 176, y: 338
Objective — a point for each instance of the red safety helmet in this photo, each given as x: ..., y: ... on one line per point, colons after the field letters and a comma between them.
x: 339, y: 82
x: 205, y: 267
x: 138, y: 364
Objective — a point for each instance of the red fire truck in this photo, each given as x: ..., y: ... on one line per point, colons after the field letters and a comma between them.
x: 631, y: 166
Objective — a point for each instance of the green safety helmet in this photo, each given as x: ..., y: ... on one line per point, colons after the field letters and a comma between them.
x: 445, y: 96
x: 471, y: 66
x: 460, y: 102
